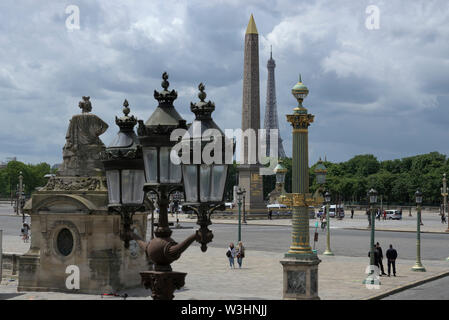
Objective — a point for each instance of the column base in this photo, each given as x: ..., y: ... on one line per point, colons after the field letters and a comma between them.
x: 300, y: 277
x: 418, y: 267
x: 163, y: 283
x: 328, y: 253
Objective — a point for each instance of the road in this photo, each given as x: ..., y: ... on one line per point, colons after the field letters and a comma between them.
x: 434, y: 290
x: 353, y: 243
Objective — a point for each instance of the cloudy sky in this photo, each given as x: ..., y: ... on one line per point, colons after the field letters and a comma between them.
x: 382, y: 91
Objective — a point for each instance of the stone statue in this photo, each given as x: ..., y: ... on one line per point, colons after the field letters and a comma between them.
x: 83, y: 147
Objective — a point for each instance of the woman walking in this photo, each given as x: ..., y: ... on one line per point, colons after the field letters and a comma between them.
x: 231, y: 255
x: 240, y: 254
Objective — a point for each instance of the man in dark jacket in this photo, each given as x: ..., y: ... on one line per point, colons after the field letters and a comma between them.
x: 381, y: 256
x: 391, y: 256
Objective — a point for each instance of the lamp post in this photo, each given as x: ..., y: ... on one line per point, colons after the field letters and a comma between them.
x: 244, y: 206
x: 327, y: 199
x: 372, y: 195
x: 165, y: 168
x: 444, y: 194
x: 418, y: 265
x: 125, y: 173
x: 20, y: 199
x: 300, y: 263
x: 239, y: 202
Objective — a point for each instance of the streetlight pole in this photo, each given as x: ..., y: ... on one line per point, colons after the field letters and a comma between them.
x: 300, y: 263
x: 444, y: 194
x: 244, y: 209
x: 239, y: 202
x: 371, y: 279
x: 19, y: 204
x: 418, y: 265
x: 328, y: 252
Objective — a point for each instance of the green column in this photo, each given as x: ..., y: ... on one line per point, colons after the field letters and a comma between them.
x: 418, y: 265
x: 328, y: 251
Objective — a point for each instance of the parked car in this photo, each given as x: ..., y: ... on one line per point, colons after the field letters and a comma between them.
x: 394, y: 215
x: 229, y: 205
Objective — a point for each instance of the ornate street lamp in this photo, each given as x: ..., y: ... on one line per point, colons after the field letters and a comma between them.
x: 418, y: 265
x: 300, y: 263
x: 327, y: 199
x: 371, y: 279
x: 320, y: 172
x: 280, y: 172
x: 205, y: 166
x: 125, y: 173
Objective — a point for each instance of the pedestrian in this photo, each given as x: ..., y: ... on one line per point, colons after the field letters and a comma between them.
x: 381, y: 256
x: 385, y: 214
x: 240, y: 253
x: 391, y: 254
x: 24, y: 232
x: 323, y: 223
x: 270, y: 213
x: 443, y: 218
x: 231, y: 255
x: 352, y: 213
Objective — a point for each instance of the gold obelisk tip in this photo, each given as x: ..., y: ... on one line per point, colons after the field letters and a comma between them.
x: 251, y: 29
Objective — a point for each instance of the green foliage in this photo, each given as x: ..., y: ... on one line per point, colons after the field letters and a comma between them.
x: 395, y: 180
x: 33, y: 176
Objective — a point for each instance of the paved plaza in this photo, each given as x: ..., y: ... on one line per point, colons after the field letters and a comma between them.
x: 210, y: 277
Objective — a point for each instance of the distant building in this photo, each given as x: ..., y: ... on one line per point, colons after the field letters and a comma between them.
x: 3, y: 164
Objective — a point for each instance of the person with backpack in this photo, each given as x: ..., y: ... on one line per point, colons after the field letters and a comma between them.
x: 231, y: 255
x: 240, y: 254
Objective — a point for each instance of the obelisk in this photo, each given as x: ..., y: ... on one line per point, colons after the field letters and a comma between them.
x: 249, y: 177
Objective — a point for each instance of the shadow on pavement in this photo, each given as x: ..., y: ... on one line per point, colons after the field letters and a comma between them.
x: 6, y: 296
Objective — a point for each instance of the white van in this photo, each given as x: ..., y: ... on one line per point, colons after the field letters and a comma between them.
x: 332, y: 207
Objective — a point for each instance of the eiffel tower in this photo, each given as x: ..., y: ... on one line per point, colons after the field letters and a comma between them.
x: 271, y: 113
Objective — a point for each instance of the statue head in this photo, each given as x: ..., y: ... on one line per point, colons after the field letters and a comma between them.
x: 85, y: 105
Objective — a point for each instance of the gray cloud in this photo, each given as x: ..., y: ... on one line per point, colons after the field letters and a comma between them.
x: 372, y: 91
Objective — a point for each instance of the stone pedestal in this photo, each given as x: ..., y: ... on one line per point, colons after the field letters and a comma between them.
x: 74, y: 228
x: 163, y: 283
x: 300, y: 278
x: 251, y: 181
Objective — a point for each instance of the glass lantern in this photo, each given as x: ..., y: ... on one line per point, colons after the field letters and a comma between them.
x: 124, y: 166
x: 204, y: 181
x: 418, y: 196
x: 327, y: 197
x: 372, y: 194
x: 320, y: 172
